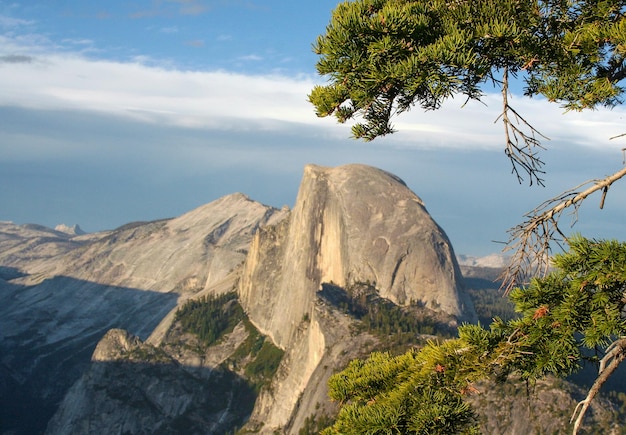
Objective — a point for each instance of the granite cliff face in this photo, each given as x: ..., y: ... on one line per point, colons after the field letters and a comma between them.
x: 61, y: 293
x: 350, y: 224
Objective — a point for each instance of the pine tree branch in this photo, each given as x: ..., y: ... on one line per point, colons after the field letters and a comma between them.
x: 532, y: 239
x: 616, y: 353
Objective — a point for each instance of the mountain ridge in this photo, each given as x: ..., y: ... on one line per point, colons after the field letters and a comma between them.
x: 101, y: 312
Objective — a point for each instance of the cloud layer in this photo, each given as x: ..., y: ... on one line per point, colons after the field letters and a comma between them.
x: 225, y: 100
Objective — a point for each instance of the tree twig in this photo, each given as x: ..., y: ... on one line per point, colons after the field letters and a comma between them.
x: 520, y: 146
x: 531, y: 240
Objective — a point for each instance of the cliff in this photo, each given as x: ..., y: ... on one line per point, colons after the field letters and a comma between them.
x: 127, y: 317
x: 350, y: 224
x: 60, y: 294
x: 353, y: 225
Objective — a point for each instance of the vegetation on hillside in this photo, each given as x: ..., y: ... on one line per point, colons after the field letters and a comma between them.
x: 210, y: 317
x: 489, y: 302
x: 398, y: 326
x: 258, y: 357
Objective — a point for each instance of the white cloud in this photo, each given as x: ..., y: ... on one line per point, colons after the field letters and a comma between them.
x: 225, y: 100
x: 11, y: 23
x: 188, y: 98
x: 251, y: 57
x: 81, y: 41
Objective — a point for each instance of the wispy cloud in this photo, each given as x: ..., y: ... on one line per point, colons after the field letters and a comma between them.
x: 81, y: 41
x: 223, y: 100
x: 250, y: 57
x: 148, y: 90
x: 7, y: 22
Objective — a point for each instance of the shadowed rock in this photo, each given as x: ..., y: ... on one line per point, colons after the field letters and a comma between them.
x: 351, y: 224
x: 59, y: 293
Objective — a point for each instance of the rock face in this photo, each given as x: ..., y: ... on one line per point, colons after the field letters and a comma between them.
x: 350, y: 224
x: 60, y: 294
x: 132, y: 387
x: 74, y: 230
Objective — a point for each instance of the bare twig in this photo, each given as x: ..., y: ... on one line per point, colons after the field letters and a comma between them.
x: 520, y: 146
x: 616, y: 353
x: 532, y: 239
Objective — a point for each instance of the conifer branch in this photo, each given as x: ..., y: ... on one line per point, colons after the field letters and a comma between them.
x: 531, y: 241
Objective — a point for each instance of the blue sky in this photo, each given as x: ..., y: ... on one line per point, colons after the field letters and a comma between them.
x: 119, y: 111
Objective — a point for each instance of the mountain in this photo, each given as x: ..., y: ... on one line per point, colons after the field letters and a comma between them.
x: 74, y: 230
x: 351, y: 226
x: 229, y: 318
x: 492, y: 260
x: 60, y: 294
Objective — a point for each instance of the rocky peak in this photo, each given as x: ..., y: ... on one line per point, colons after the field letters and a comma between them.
x: 61, y: 293
x: 74, y: 230
x: 115, y: 343
x: 350, y: 224
x: 353, y: 223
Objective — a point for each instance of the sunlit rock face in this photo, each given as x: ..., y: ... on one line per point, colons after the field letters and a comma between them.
x: 350, y: 224
x: 61, y: 292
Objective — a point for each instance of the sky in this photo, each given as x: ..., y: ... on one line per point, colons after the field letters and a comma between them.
x: 121, y: 111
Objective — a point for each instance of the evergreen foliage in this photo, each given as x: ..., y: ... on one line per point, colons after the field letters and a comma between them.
x: 210, y: 317
x: 578, y: 306
x: 382, y: 57
x: 398, y: 325
x: 257, y: 357
x: 267, y: 360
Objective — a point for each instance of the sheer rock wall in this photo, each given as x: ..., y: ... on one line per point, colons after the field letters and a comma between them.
x: 350, y: 224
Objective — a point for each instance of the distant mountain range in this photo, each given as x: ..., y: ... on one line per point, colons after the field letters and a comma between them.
x: 492, y: 260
